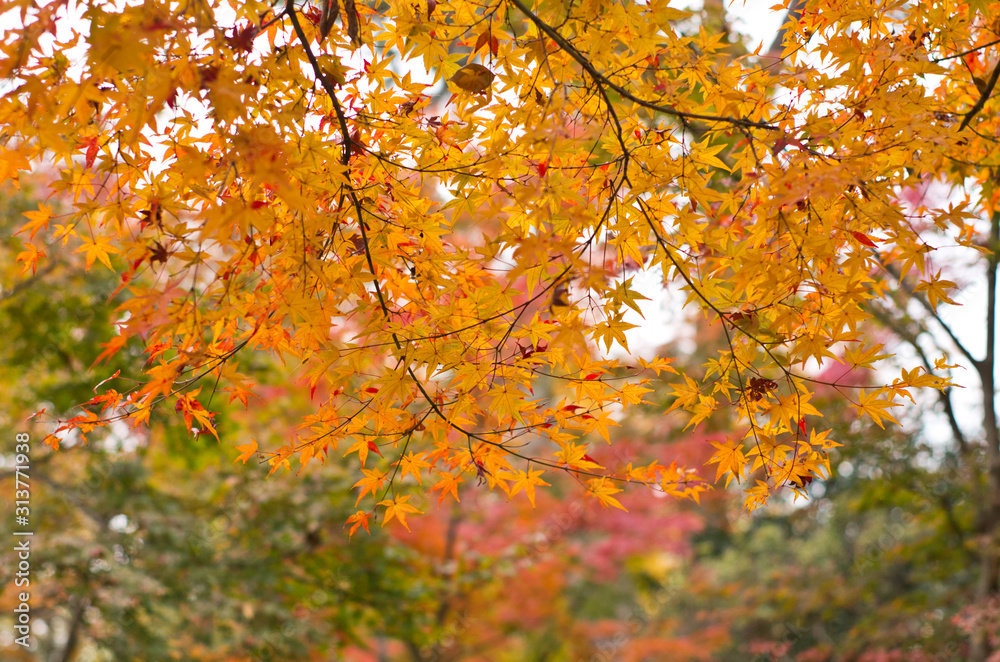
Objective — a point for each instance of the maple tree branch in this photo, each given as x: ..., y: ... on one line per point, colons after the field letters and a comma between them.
x: 348, y: 142
x: 968, y: 52
x: 22, y: 285
x: 724, y: 316
x: 984, y: 97
x: 321, y: 77
x: 277, y: 17
x: 402, y: 453
x: 744, y: 398
x: 342, y: 120
x: 602, y: 79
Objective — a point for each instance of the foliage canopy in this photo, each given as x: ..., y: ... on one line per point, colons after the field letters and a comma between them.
x: 434, y: 212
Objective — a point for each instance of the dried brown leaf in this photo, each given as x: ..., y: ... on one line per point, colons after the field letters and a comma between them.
x: 473, y: 78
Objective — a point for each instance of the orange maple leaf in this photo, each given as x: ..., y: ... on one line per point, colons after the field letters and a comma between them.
x: 38, y: 220
x: 372, y: 481
x: 246, y: 451
x: 359, y: 518
x: 447, y: 484
x: 731, y: 460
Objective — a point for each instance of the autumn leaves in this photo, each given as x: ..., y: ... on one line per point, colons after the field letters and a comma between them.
x: 448, y: 282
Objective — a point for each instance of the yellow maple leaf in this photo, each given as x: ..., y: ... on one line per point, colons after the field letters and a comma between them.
x: 37, y: 220
x: 246, y: 451
x: 399, y: 509
x: 731, y: 460
x: 448, y: 484
x: 757, y: 496
x: 411, y: 464
x: 527, y: 480
x: 30, y: 257
x: 875, y: 407
x: 97, y: 248
x: 936, y: 289
x: 575, y: 455
x: 372, y: 481
x: 603, y: 489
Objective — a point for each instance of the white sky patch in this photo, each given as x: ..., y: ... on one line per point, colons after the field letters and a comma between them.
x: 756, y: 20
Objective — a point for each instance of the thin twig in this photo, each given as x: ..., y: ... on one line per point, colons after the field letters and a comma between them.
x: 601, y: 79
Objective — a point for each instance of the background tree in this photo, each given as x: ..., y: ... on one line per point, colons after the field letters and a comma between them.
x: 876, y: 565
x: 973, y: 451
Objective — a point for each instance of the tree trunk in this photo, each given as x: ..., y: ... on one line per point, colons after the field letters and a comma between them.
x: 989, y: 524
